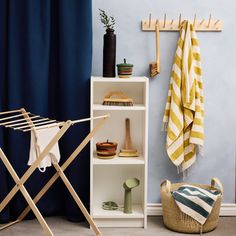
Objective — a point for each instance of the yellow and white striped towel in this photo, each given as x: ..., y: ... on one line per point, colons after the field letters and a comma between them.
x: 184, y: 110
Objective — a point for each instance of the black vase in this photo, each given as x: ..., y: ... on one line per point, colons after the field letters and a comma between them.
x: 109, y: 54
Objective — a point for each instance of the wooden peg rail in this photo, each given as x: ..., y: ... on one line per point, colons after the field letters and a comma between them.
x: 204, y: 25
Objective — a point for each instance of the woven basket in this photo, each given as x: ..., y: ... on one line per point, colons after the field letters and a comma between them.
x: 178, y: 221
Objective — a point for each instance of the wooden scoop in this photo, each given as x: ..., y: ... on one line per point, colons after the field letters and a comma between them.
x: 128, y: 150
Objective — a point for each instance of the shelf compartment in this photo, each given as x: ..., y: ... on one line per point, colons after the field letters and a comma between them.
x: 98, y: 212
x: 135, y: 91
x: 108, y: 183
x: 119, y: 161
x: 117, y: 218
x: 135, y: 107
x: 117, y: 132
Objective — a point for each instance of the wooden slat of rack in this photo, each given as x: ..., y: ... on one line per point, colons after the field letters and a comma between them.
x: 7, y: 124
x: 45, y: 126
x: 9, y: 112
x: 35, y: 124
x: 10, y: 117
x: 26, y: 121
x: 72, y: 122
x: 88, y: 119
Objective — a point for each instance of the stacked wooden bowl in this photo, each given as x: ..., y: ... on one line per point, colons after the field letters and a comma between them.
x: 106, y: 150
x: 124, y: 69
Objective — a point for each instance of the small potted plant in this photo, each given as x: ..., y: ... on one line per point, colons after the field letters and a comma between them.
x: 109, y: 45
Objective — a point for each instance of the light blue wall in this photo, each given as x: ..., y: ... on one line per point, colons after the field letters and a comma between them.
x: 219, y: 75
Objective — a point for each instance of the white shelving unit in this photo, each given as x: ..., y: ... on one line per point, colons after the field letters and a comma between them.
x: 107, y: 176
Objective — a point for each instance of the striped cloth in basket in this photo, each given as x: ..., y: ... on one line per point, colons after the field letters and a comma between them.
x: 195, y: 202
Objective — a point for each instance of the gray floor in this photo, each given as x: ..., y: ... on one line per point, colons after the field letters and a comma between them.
x: 59, y: 226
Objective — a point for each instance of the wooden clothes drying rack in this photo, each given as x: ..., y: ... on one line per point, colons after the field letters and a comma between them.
x: 26, y: 121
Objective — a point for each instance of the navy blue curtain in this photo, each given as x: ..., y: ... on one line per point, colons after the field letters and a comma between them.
x: 45, y: 67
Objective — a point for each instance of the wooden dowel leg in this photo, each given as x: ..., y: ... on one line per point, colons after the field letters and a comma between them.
x: 9, y: 224
x: 37, y: 213
x: 77, y: 199
x: 26, y: 195
x: 10, y: 169
x: 39, y: 195
x: 34, y: 166
x: 8, y: 198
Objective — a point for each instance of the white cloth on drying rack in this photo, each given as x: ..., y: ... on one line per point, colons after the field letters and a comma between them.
x: 39, y: 140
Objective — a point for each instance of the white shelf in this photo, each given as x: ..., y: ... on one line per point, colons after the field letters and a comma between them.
x: 119, y: 161
x: 136, y: 107
x: 119, y: 80
x: 100, y: 213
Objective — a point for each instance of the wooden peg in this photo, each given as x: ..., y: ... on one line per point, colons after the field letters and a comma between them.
x: 209, y: 21
x: 217, y: 22
x: 164, y: 21
x: 202, y: 21
x: 171, y: 23
x: 179, y: 20
x: 194, y: 21
x: 157, y: 22
x: 150, y: 20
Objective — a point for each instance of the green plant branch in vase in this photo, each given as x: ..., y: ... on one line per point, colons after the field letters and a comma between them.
x: 109, y: 45
x: 108, y: 21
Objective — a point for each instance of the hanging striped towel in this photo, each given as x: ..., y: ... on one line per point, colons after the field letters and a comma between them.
x: 195, y: 202
x: 184, y: 111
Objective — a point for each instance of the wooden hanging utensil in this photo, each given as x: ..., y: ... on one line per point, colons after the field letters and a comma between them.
x: 128, y: 150
x: 155, y: 66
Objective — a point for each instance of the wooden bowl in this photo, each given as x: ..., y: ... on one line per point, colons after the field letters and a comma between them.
x: 106, y: 150
x: 124, y: 69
